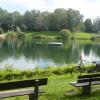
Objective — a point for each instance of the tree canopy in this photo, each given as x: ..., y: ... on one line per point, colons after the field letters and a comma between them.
x: 35, y: 20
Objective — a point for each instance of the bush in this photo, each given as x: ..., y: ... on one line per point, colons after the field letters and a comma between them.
x: 11, y: 34
x: 93, y: 38
x: 23, y: 27
x: 39, y: 37
x: 98, y: 32
x: 18, y: 30
x: 58, y: 71
x: 65, y: 33
x: 72, y: 37
x: 9, y: 73
x: 1, y: 30
x: 20, y: 34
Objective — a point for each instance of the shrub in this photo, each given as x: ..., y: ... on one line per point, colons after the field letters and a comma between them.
x: 72, y: 37
x: 23, y: 27
x: 98, y: 32
x: 18, y: 30
x: 65, y: 33
x: 93, y: 38
x: 39, y: 37
x: 11, y: 34
x: 8, y: 68
x: 58, y: 72
x: 1, y: 30
x: 21, y: 35
x: 9, y: 73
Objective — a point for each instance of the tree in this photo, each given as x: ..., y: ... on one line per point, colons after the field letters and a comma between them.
x: 38, y: 23
x: 74, y: 18
x: 17, y: 19
x: 36, y: 20
x: 1, y: 30
x: 46, y: 22
x: 28, y: 21
x: 58, y: 19
x: 88, y: 25
x: 61, y: 18
x: 81, y: 27
x: 96, y: 24
x: 52, y: 22
x: 3, y: 19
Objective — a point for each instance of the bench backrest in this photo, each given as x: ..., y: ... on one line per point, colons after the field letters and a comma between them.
x: 97, y: 64
x: 88, y: 78
x: 84, y: 80
x: 84, y: 76
x: 22, y: 84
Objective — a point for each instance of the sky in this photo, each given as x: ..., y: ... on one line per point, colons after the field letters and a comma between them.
x: 89, y: 8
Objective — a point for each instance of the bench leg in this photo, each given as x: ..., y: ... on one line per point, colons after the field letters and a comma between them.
x: 36, y: 91
x: 86, y: 90
x: 31, y: 97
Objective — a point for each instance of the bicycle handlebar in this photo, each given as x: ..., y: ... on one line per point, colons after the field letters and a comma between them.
x: 88, y: 61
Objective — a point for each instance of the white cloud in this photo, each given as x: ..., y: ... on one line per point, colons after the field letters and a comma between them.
x: 89, y: 8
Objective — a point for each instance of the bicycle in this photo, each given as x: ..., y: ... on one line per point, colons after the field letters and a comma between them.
x: 81, y: 68
x: 95, y: 67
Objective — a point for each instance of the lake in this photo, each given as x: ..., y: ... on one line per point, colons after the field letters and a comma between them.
x: 28, y: 54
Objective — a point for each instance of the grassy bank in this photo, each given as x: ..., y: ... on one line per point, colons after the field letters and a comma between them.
x: 43, y: 35
x: 9, y: 73
x: 82, y: 35
x: 58, y: 88
x: 54, y: 35
x: 49, y: 35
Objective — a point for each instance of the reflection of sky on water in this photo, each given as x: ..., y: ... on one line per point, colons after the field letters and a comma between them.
x: 27, y: 55
x: 23, y: 63
x: 44, y: 62
x: 90, y: 57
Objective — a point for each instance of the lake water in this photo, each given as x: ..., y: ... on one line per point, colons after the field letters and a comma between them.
x: 27, y: 54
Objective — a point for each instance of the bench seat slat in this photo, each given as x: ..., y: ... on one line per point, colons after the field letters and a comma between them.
x: 23, y: 87
x: 84, y: 83
x: 95, y: 82
x: 5, y: 94
x: 79, y: 84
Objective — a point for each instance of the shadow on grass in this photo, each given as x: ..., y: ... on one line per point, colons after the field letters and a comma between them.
x: 73, y: 95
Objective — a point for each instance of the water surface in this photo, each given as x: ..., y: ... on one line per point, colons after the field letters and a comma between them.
x: 27, y: 54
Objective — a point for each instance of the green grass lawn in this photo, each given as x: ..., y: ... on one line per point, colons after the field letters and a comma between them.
x: 54, y: 34
x: 84, y: 35
x: 58, y: 88
x: 47, y: 33
x: 43, y: 34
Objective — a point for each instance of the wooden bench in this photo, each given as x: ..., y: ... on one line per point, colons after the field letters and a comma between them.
x: 85, y: 81
x: 96, y: 67
x: 24, y: 87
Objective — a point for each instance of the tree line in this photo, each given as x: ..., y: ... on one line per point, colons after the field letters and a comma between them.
x: 35, y: 20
